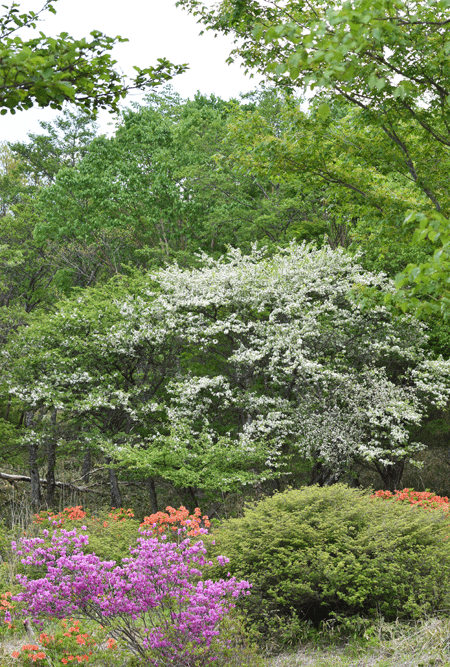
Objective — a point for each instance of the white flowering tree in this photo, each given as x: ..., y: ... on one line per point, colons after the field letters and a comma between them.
x: 211, y: 377
x: 94, y: 376
x: 280, y: 350
x: 95, y: 367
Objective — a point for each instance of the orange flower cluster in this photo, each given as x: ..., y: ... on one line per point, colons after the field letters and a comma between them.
x: 422, y: 498
x: 32, y: 652
x: 121, y: 514
x: 4, y: 602
x: 78, y: 658
x: 6, y: 605
x: 59, y: 645
x: 175, y: 519
x: 77, y: 514
x: 69, y: 513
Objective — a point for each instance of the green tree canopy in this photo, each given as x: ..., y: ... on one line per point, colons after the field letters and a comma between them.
x: 388, y: 59
x: 48, y: 71
x: 256, y: 359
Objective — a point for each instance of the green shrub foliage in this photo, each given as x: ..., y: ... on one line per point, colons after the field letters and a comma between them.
x: 317, y: 553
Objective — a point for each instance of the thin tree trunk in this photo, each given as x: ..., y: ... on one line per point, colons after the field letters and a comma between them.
x: 192, y: 493
x: 152, y: 493
x: 33, y: 450
x: 51, y: 462
x: 86, y: 467
x: 116, y: 497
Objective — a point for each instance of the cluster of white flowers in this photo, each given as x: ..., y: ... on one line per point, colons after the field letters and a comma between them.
x: 288, y: 354
x: 275, y: 351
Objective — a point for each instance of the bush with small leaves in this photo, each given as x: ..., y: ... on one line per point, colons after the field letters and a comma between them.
x: 317, y: 553
x: 158, y: 600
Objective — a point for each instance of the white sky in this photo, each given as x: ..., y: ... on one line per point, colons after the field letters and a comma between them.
x: 155, y: 29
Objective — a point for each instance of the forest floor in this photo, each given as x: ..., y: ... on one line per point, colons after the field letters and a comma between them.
x: 310, y: 657
x: 424, y: 645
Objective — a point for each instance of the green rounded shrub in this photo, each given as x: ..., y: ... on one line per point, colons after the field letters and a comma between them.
x: 317, y: 553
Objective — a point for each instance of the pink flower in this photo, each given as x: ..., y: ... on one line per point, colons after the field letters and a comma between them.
x: 164, y: 579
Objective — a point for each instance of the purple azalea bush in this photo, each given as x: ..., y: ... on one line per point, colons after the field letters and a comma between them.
x: 157, y: 600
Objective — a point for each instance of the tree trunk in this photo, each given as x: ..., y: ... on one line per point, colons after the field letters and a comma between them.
x: 33, y: 450
x: 86, y: 466
x: 152, y: 493
x: 51, y: 462
x: 392, y: 475
x: 116, y: 498
x: 322, y: 475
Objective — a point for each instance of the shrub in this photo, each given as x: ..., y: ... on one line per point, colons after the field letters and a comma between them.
x: 172, y: 522
x: 422, y: 498
x: 317, y: 553
x: 110, y: 533
x: 158, y: 600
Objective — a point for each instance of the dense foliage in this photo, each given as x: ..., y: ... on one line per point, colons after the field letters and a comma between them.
x: 157, y: 600
x: 216, y: 377
x: 152, y: 345
x: 316, y: 553
x: 46, y: 71
x: 385, y: 59
x: 201, y: 309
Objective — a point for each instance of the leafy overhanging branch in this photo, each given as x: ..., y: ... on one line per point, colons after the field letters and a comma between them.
x: 47, y: 71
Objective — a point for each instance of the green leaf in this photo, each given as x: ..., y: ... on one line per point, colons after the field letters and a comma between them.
x: 323, y: 111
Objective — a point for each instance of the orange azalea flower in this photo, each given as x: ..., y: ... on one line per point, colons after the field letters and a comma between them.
x: 15, y: 654
x: 38, y: 656
x: 423, y: 498
x: 4, y: 602
x: 158, y: 522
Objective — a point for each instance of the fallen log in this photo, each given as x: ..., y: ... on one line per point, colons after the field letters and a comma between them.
x: 62, y: 485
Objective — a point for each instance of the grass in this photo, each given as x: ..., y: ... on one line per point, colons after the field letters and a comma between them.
x: 420, y: 644
x: 425, y: 644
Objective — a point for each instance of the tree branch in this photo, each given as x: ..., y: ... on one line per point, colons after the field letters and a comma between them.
x: 23, y: 478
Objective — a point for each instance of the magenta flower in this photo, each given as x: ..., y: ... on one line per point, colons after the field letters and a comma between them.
x: 158, y: 600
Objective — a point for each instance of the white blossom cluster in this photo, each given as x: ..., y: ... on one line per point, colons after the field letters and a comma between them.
x: 271, y: 352
x: 289, y: 355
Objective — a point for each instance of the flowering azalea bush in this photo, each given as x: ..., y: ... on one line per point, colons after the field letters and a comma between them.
x: 109, y: 538
x: 30, y: 653
x: 421, y: 498
x: 5, y: 603
x: 6, y: 609
x: 158, y: 600
x: 174, y: 521
x: 47, y: 517
x: 72, y: 642
x: 68, y: 642
x: 110, y: 533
